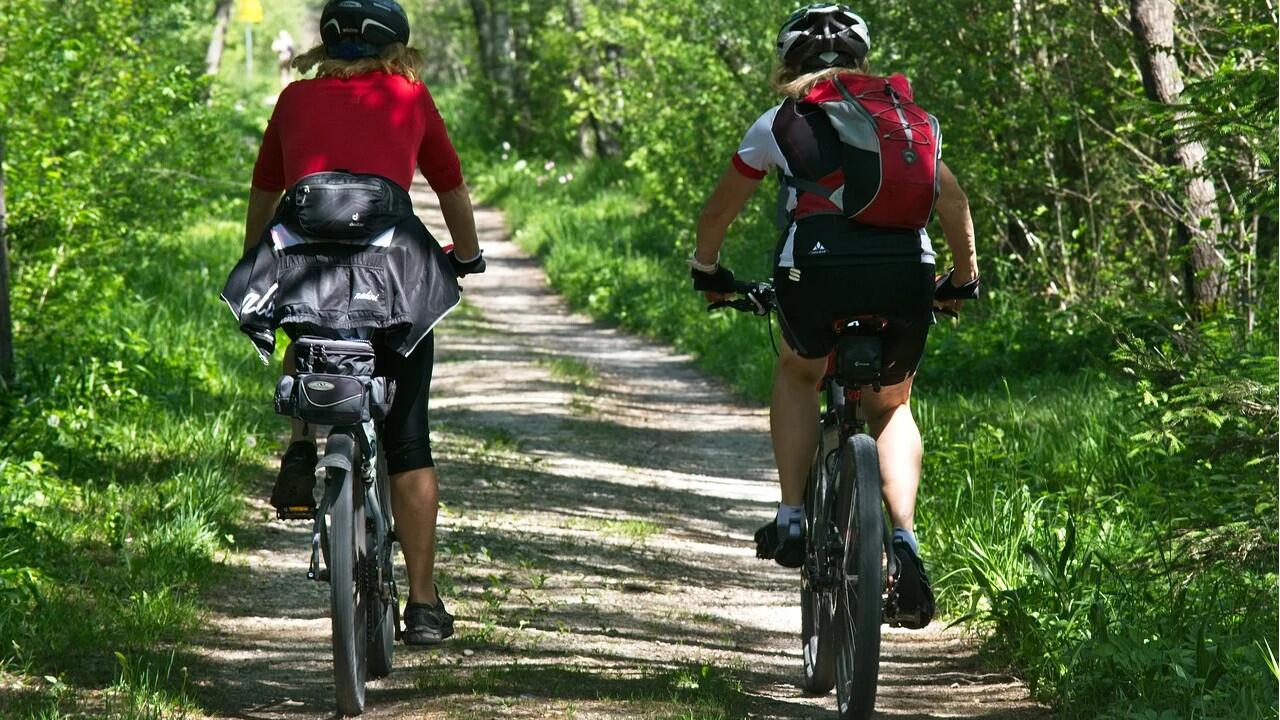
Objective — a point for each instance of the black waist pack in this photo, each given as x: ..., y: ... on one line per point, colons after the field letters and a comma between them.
x: 344, y: 206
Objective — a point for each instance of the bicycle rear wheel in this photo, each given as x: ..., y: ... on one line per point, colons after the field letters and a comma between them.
x: 348, y: 598
x: 859, y: 595
x: 817, y: 603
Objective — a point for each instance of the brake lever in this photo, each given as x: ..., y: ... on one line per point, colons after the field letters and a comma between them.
x: 944, y: 311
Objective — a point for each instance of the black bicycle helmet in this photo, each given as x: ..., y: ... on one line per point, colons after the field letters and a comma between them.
x: 354, y: 29
x: 823, y: 35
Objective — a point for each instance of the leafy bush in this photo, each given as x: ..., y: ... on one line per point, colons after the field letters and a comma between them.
x: 131, y: 426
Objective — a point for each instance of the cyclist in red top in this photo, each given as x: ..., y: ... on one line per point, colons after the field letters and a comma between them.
x: 829, y: 267
x: 367, y: 111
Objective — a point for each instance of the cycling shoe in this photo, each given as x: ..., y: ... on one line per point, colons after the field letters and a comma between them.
x: 914, y: 594
x: 427, y: 624
x: 293, y: 491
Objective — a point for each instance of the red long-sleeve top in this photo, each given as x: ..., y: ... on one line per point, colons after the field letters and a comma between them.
x: 375, y: 123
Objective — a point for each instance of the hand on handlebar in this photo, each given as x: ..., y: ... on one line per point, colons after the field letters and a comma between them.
x: 463, y: 268
x: 950, y: 296
x: 756, y: 298
x: 716, y: 286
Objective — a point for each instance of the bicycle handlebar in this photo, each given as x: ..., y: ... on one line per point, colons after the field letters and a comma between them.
x: 757, y: 299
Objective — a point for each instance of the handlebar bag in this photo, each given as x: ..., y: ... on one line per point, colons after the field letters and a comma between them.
x: 335, y: 384
x: 340, y: 205
x: 326, y: 399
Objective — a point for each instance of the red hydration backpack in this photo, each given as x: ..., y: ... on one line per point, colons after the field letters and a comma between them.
x: 890, y: 149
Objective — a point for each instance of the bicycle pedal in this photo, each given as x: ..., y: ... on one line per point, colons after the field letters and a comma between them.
x: 296, y: 512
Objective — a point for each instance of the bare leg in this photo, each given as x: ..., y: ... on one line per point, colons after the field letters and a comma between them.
x: 415, y: 501
x: 793, y: 420
x: 898, y: 442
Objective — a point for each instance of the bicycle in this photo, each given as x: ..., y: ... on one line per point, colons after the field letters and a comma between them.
x: 352, y: 533
x: 846, y: 589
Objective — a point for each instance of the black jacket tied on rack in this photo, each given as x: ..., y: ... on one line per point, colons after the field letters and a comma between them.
x: 397, y: 281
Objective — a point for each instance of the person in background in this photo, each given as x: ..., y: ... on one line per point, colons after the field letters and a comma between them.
x: 282, y: 46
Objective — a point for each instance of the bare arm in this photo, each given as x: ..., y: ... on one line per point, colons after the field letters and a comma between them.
x: 957, y: 225
x: 726, y: 201
x: 262, y: 207
x: 455, y: 206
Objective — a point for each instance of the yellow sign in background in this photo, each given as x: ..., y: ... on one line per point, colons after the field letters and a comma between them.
x: 249, y: 11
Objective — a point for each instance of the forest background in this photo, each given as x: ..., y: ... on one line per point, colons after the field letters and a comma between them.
x: 1101, y: 429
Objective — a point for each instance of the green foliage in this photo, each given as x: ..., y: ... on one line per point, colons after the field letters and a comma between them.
x: 131, y: 426
x: 121, y: 480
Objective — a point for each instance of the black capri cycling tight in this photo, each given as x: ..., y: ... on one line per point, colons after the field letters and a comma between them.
x: 406, y: 440
x: 900, y: 292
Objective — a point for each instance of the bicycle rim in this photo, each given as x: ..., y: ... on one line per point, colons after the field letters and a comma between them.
x: 817, y: 611
x: 858, y: 597
x: 348, y: 601
x: 382, y: 612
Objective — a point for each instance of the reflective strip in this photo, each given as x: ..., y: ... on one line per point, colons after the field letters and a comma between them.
x: 927, y: 255
x: 283, y: 238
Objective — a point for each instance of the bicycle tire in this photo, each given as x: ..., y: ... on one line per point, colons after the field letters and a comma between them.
x: 817, y: 611
x: 382, y: 631
x: 859, y: 597
x: 348, y: 600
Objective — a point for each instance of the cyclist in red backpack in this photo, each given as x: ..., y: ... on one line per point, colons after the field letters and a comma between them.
x: 860, y: 172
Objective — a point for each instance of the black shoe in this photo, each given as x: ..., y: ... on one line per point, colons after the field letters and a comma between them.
x: 297, y: 480
x: 787, y: 552
x: 915, y: 605
x: 427, y: 624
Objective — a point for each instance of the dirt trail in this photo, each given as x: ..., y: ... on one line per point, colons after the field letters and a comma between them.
x: 600, y: 493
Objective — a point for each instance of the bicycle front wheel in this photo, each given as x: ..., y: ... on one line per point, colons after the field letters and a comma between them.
x: 348, y: 596
x: 382, y: 598
x: 859, y: 594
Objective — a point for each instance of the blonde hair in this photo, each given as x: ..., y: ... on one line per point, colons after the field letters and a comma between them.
x: 395, y: 59
x: 796, y: 84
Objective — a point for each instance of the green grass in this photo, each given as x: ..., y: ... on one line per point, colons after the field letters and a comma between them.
x: 691, y: 692
x: 637, y: 531
x: 569, y: 370
x: 122, y: 487
x: 1092, y: 489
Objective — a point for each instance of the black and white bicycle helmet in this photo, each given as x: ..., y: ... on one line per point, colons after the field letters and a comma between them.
x: 354, y: 29
x: 823, y: 35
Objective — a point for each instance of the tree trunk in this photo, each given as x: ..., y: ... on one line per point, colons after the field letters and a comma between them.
x: 6, y: 323
x: 497, y: 51
x: 1153, y: 24
x: 221, y: 17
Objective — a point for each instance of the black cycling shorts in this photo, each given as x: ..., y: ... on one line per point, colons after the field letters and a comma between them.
x: 405, y: 435
x: 902, y: 293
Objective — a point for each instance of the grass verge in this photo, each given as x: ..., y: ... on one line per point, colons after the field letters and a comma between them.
x: 122, y: 473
